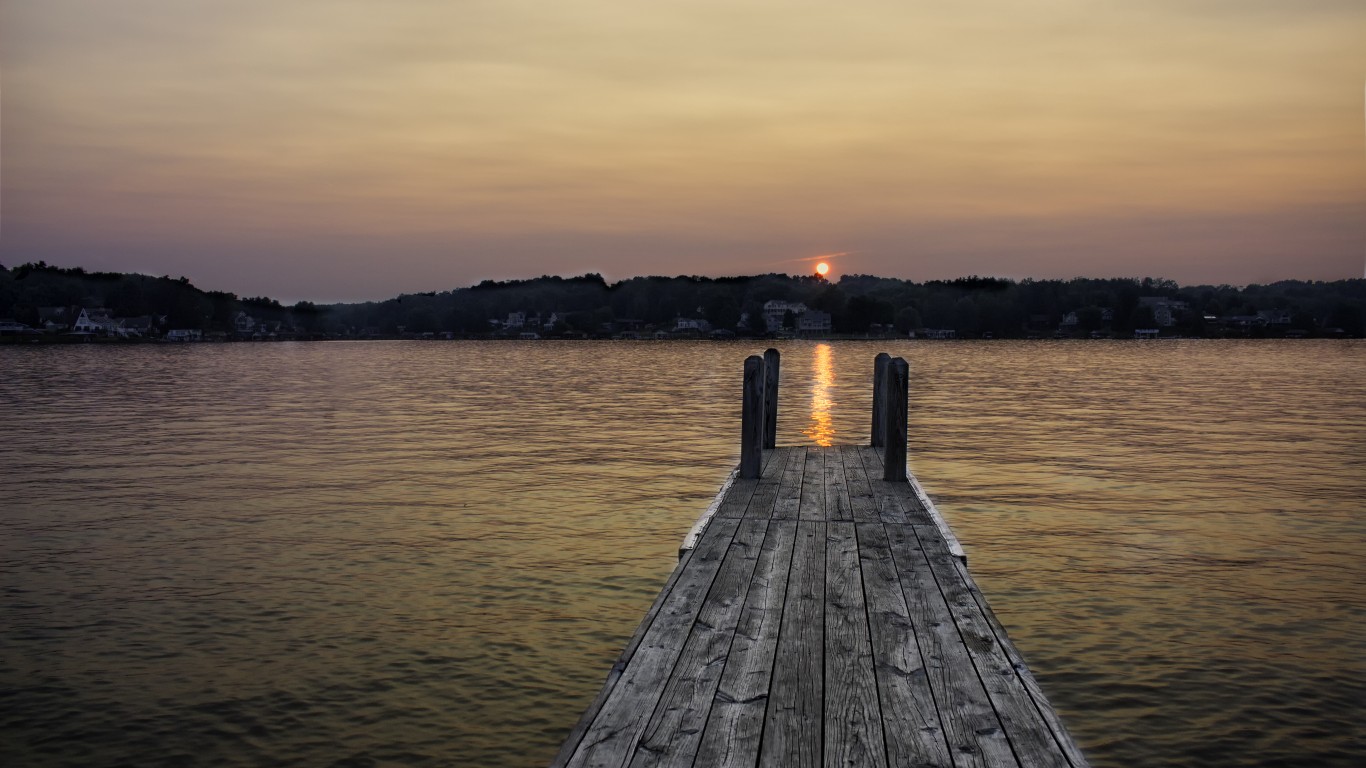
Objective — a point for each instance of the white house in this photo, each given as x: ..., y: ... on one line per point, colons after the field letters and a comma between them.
x: 181, y: 334
x: 94, y: 321
x: 775, y: 312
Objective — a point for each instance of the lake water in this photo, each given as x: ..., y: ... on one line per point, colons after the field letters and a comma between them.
x: 394, y: 553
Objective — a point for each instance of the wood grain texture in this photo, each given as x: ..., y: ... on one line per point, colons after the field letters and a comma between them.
x: 766, y: 492
x: 894, y: 448
x: 879, y: 431
x: 672, y: 735
x: 835, y: 626
x: 734, y: 725
x: 752, y: 418
x: 853, y: 717
x: 862, y: 504
x: 772, y: 362
x: 794, y: 719
x: 891, y: 507
x: 1029, y: 734
x: 913, y: 732
x: 836, y: 489
x: 612, y: 735
x: 1050, y: 715
x: 788, y: 504
x: 571, y: 742
x: 973, y: 732
x: 736, y: 501
x: 812, y: 505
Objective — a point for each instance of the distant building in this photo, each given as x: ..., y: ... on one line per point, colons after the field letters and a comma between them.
x: 940, y: 333
x: 1165, y: 310
x: 243, y: 324
x: 813, y: 321
x: 775, y: 313
x: 95, y: 321
x: 515, y: 320
x: 1275, y: 316
x: 182, y: 334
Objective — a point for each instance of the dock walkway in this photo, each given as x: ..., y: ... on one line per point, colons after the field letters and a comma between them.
x: 822, y: 619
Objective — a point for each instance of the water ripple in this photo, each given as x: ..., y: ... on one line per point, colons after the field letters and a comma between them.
x: 430, y: 553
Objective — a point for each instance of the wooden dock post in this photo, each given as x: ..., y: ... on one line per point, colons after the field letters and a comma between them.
x: 771, y: 398
x: 897, y: 384
x: 752, y: 419
x: 880, y: 398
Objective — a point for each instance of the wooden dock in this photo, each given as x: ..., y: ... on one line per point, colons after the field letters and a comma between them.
x: 823, y: 617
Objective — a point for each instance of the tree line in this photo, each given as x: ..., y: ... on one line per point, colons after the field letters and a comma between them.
x: 972, y: 307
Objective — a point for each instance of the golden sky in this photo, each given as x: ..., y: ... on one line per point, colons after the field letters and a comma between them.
x: 338, y: 149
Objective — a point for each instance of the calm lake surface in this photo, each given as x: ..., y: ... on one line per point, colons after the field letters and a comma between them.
x: 430, y: 553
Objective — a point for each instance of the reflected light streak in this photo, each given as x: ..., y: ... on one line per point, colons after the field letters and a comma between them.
x: 821, y: 430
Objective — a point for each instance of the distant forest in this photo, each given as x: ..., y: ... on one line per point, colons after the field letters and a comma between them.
x: 589, y: 306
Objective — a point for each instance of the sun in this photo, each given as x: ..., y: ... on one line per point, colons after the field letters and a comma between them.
x: 822, y: 269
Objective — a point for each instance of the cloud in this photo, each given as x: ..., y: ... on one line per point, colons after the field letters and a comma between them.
x: 767, y: 128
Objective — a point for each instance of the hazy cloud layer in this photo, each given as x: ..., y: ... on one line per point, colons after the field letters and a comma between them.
x: 349, y: 149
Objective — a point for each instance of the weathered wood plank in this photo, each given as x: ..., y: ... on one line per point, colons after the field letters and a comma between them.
x: 672, y: 735
x: 973, y: 731
x: 913, y: 731
x: 793, y: 721
x: 737, y: 500
x: 735, y: 723
x: 828, y: 622
x: 575, y: 736
x: 742, y: 490
x: 812, y: 505
x: 612, y: 735
x: 853, y: 718
x: 766, y: 492
x: 788, y: 504
x: 902, y: 497
x: 836, y: 489
x: 862, y: 503
x: 1050, y: 715
x: 909, y: 501
x: 1030, y: 736
x: 890, y: 507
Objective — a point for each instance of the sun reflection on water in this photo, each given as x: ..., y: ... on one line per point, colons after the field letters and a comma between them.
x: 821, y: 430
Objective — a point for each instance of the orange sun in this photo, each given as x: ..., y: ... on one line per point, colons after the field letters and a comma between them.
x: 822, y: 268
